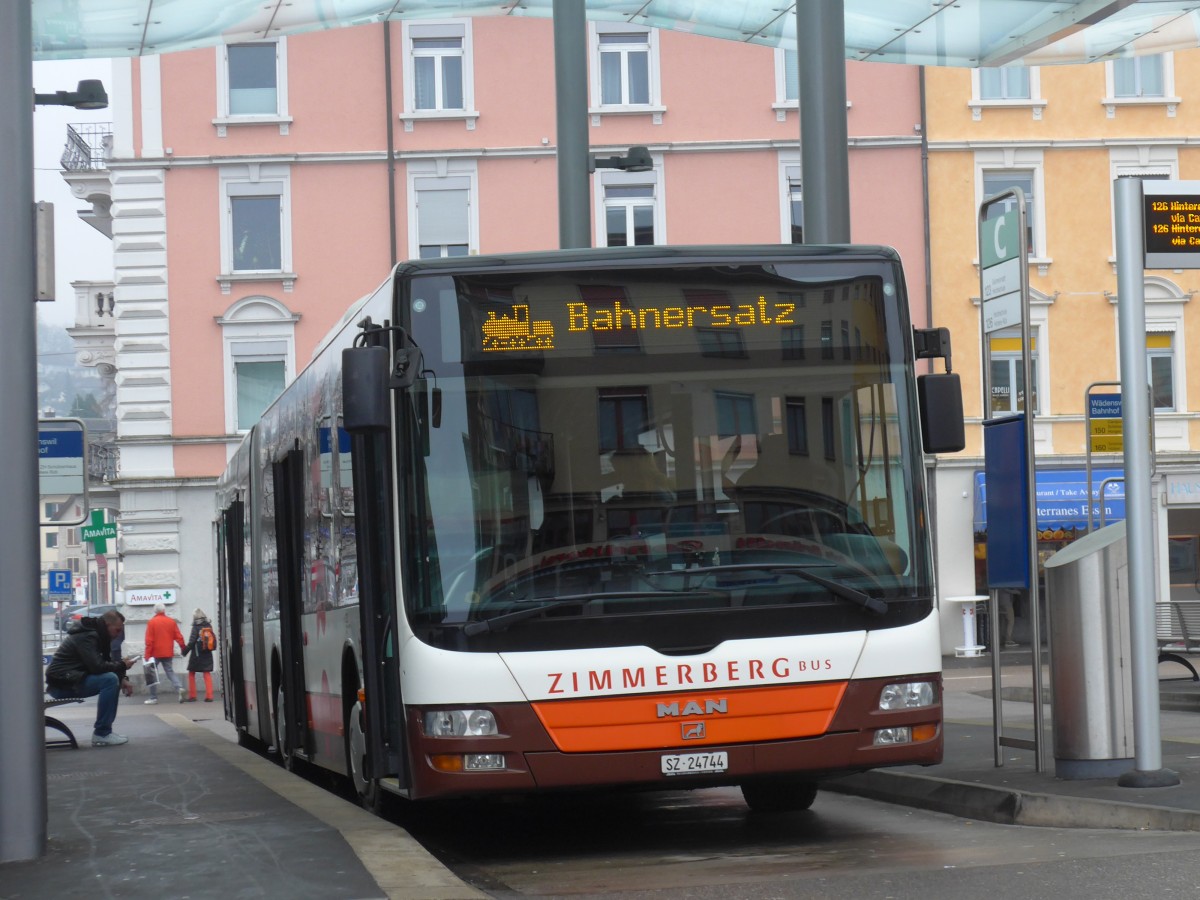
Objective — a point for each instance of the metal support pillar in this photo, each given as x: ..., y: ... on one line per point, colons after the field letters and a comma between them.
x: 570, y: 107
x: 22, y: 751
x: 1131, y: 326
x: 824, y: 166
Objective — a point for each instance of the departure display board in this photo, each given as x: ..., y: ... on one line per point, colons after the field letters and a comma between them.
x: 1171, y: 219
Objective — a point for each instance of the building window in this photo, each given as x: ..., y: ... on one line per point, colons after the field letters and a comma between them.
x: 253, y: 79
x: 256, y: 225
x: 827, y: 339
x: 828, y: 428
x: 1138, y: 76
x: 50, y: 510
x: 791, y: 199
x: 624, y: 70
x: 1006, y: 87
x: 735, y: 414
x: 437, y: 73
x: 443, y: 216
x: 623, y: 335
x: 1008, y: 373
x: 995, y: 182
x: 1160, y: 362
x: 1140, y: 80
x: 629, y: 215
x: 716, y: 343
x: 1150, y: 163
x: 51, y: 540
x: 257, y: 229
x: 257, y: 383
x: 252, y: 84
x: 797, y: 426
x: 258, y: 334
x: 630, y: 207
x: 795, y: 204
x: 1004, y: 83
x: 439, y: 79
x: 792, y: 338
x: 624, y: 67
x: 623, y: 415
x: 720, y: 343
x: 787, y: 78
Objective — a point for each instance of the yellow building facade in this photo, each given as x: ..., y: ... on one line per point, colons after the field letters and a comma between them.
x: 1063, y: 134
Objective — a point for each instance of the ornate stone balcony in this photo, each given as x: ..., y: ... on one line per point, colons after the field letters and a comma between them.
x: 85, y: 168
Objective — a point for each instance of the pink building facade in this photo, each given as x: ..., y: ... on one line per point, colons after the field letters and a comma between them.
x: 256, y: 190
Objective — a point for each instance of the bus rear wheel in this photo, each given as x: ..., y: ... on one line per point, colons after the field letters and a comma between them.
x: 779, y: 795
x: 366, y: 789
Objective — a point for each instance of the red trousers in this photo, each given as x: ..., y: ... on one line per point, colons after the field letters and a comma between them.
x: 207, y: 684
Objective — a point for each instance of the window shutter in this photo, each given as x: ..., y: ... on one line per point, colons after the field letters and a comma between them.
x: 442, y: 213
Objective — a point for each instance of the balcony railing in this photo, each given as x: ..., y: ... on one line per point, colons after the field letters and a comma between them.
x: 103, y: 460
x: 88, y: 147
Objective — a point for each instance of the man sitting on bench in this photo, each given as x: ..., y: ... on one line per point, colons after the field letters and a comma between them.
x: 81, y: 667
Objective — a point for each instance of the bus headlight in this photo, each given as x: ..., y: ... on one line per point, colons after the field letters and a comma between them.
x: 908, y: 695
x: 460, y: 723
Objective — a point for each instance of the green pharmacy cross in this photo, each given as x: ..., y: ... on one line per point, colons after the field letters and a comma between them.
x: 99, y: 533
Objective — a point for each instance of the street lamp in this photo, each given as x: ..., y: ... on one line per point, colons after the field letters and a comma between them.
x: 636, y: 160
x: 89, y: 94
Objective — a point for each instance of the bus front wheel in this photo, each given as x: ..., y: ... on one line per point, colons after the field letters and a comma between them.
x: 367, y: 789
x: 778, y: 795
x: 281, y: 744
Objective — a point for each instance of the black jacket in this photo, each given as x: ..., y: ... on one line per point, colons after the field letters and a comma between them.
x: 199, y: 659
x: 83, y: 652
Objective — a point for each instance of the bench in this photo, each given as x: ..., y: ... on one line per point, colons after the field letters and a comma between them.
x: 1177, y: 628
x: 68, y: 739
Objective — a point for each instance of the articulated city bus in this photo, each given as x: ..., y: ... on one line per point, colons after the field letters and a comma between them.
x: 640, y: 517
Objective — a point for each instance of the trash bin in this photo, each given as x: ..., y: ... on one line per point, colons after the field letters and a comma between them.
x: 1091, y: 689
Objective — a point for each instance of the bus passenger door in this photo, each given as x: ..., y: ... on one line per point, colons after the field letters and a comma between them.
x: 383, y: 711
x: 232, y: 615
x: 367, y: 417
x: 289, y: 536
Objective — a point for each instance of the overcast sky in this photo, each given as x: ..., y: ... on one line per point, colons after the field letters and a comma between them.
x: 80, y: 252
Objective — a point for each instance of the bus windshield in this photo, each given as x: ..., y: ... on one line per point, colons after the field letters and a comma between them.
x: 668, y: 456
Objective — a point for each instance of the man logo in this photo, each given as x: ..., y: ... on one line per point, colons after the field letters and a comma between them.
x: 692, y: 708
x: 692, y: 731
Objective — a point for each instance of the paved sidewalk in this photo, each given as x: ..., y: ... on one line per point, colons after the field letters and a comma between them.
x: 968, y: 782
x: 182, y: 811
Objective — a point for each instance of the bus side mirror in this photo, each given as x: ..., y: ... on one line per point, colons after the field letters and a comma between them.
x: 365, y: 372
x: 939, y: 398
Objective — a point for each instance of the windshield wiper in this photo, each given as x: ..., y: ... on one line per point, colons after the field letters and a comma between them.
x: 866, y: 601
x: 502, y: 621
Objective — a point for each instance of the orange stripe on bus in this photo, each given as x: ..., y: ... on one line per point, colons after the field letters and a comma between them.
x: 652, y: 721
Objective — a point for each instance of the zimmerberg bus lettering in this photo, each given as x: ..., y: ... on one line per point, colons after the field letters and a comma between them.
x: 685, y: 674
x: 581, y: 317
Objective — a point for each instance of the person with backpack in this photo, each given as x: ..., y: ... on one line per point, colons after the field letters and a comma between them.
x: 200, y: 646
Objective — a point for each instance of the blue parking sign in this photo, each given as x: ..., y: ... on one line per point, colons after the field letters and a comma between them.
x: 60, y: 581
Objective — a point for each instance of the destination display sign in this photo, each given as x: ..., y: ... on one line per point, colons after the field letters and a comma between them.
x: 1171, y: 219
x: 517, y: 331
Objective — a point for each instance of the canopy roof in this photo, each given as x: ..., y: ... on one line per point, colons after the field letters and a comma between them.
x: 967, y: 33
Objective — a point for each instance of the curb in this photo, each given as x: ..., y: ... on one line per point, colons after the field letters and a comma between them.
x: 402, y: 868
x: 1008, y: 807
